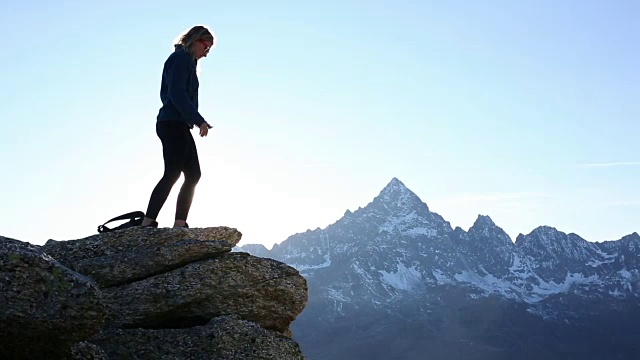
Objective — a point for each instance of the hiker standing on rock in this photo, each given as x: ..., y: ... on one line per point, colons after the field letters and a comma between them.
x: 177, y: 116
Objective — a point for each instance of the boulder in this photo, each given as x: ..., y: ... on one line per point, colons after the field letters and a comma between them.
x: 45, y: 307
x: 87, y: 351
x: 224, y: 338
x: 264, y: 291
x: 124, y: 256
x: 146, y: 293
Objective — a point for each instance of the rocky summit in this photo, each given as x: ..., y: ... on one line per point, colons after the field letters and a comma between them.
x: 143, y: 293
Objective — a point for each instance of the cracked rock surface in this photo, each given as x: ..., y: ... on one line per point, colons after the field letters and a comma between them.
x: 225, y: 337
x: 264, y: 291
x: 176, y: 278
x: 120, y: 257
x: 136, y: 293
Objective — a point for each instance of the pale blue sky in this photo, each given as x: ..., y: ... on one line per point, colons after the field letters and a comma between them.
x: 526, y: 111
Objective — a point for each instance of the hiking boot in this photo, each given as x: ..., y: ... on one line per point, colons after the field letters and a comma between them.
x: 186, y: 226
x: 154, y: 224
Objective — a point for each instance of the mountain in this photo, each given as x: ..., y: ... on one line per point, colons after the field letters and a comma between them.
x: 395, y: 280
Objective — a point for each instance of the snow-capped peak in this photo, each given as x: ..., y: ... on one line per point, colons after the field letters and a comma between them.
x: 394, y: 187
x: 397, y: 196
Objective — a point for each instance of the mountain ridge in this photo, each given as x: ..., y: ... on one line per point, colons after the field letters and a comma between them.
x: 398, y: 229
x: 395, y: 263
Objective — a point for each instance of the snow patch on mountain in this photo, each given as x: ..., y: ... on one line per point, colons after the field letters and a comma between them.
x: 367, y: 279
x: 617, y: 293
x: 605, y: 255
x: 596, y: 263
x: 441, y: 278
x: 326, y: 263
x: 417, y: 231
x: 404, y: 278
x: 630, y: 278
x: 401, y: 223
x: 337, y: 295
x: 517, y: 264
x: 608, y: 258
x: 626, y: 273
x: 491, y: 284
x: 545, y: 289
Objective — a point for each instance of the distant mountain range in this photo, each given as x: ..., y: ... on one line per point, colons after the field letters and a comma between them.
x: 394, y: 280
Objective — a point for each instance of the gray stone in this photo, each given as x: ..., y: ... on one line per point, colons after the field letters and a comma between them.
x: 224, y: 338
x: 133, y: 254
x: 265, y: 291
x: 160, y: 288
x: 87, y: 351
x: 45, y: 306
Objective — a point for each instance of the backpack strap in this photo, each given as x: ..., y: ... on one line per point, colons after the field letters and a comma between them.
x: 128, y: 216
x: 131, y: 215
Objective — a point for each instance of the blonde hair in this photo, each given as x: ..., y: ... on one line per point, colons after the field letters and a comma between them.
x: 198, y: 32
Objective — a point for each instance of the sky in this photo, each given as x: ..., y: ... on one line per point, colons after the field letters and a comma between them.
x: 526, y: 111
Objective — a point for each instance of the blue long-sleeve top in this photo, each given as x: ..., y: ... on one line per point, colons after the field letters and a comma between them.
x: 179, y: 89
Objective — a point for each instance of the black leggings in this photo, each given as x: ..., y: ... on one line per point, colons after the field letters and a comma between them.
x: 180, y: 156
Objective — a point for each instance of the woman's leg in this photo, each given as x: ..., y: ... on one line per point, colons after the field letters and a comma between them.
x: 191, y: 177
x: 175, y: 148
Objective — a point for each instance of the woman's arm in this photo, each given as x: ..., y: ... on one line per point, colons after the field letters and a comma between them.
x: 178, y: 75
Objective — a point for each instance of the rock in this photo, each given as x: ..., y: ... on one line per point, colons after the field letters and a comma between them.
x: 45, y: 307
x: 160, y: 290
x: 264, y: 291
x: 110, y: 243
x: 137, y: 264
x: 223, y: 338
x: 133, y: 254
x: 87, y: 351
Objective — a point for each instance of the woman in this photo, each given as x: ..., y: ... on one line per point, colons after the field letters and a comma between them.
x: 177, y: 116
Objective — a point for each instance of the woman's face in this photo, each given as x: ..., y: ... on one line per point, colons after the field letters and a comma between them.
x: 202, y: 48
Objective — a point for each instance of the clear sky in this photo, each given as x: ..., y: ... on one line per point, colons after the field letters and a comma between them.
x: 526, y: 111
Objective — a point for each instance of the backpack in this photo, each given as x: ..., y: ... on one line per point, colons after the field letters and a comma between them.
x: 135, y: 219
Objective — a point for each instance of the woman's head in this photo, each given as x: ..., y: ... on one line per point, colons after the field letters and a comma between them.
x: 197, y: 41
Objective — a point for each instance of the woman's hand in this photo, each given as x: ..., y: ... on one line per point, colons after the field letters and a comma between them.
x: 204, y: 129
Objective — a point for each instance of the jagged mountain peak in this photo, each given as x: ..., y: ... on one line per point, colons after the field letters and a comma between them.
x: 542, y: 234
x: 548, y: 235
x: 631, y: 237
x: 545, y: 230
x: 394, y: 188
x: 395, y: 182
x: 486, y: 236
x: 254, y: 249
x: 484, y: 227
x: 630, y: 241
x: 483, y: 221
x: 396, y: 195
x: 555, y: 250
